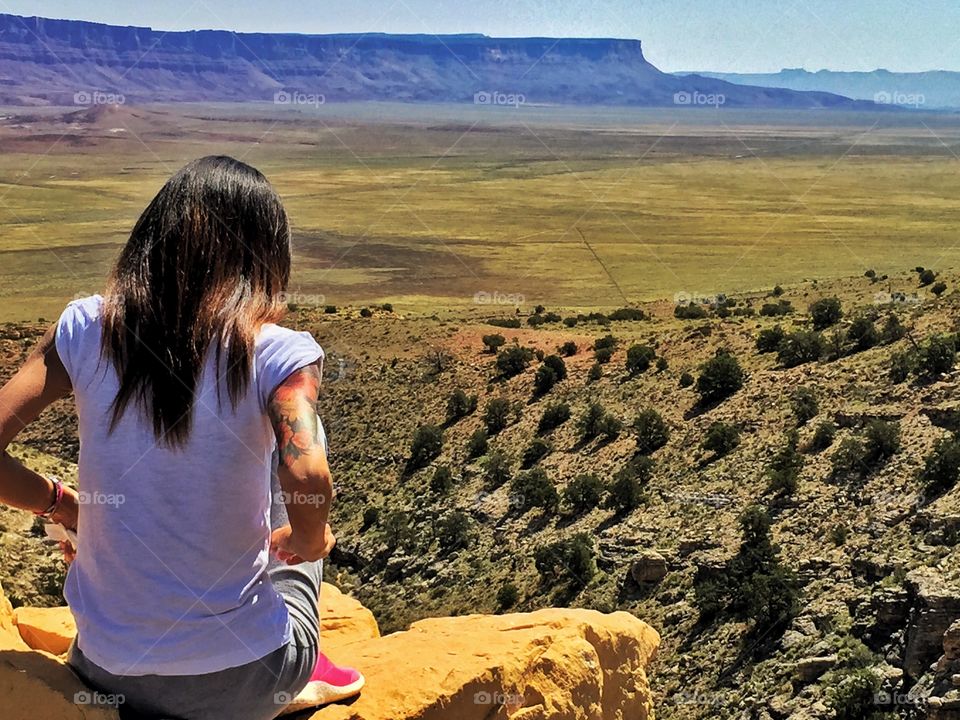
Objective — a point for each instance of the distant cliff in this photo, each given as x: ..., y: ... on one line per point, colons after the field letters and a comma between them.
x: 65, y: 62
x: 936, y: 89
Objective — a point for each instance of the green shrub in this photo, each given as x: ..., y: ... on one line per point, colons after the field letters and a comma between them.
x: 754, y: 584
x: 651, y: 430
x: 936, y: 357
x: 777, y: 291
x: 512, y: 323
x: 939, y: 288
x: 366, y: 312
x: 825, y: 312
x: 596, y: 372
x: 800, y: 347
x: 690, y: 311
x: 633, y: 314
x: 720, y: 377
x: 582, y: 494
x: 804, y: 404
x: 892, y: 330
x: 721, y: 438
x: 544, y: 380
x: 442, y: 479
x: 568, y: 349
x: 862, y: 334
x: 492, y: 343
x: 570, y: 322
x: 557, y: 365
x: 330, y: 309
x: 553, y: 417
x: 662, y: 364
x: 941, y: 467
x: 477, y: 444
x: 686, y: 379
x: 513, y: 360
x: 589, y: 422
x: 609, y: 427
x: 571, y: 559
x: 459, y: 405
x: 535, y: 452
x: 507, y: 596
x: 426, y: 446
x: 847, y: 460
x: 453, y: 531
x: 496, y: 469
x: 387, y: 307
x: 777, y: 309
x: 853, y: 696
x: 926, y: 277
x: 626, y: 491
x: 607, y: 341
x: 496, y: 415
x: 881, y: 441
x: 371, y: 516
x: 783, y: 473
x: 901, y: 364
x: 823, y: 436
x: 639, y: 358
x: 603, y: 355
x: 769, y: 339
x: 533, y: 489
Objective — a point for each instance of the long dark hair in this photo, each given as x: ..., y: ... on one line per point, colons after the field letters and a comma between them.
x: 206, y: 265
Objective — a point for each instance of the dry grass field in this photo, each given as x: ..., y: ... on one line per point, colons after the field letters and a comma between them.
x: 427, y: 206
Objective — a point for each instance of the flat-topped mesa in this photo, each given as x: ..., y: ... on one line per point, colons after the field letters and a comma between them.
x: 140, y: 64
x: 555, y: 663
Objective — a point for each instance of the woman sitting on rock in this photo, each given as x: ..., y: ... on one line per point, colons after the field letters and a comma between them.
x: 194, y: 596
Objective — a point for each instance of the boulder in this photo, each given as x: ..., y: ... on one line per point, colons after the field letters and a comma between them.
x: 556, y: 663
x: 576, y: 664
x: 648, y: 567
x: 48, y: 629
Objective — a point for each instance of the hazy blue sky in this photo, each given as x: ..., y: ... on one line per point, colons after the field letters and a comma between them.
x: 727, y: 35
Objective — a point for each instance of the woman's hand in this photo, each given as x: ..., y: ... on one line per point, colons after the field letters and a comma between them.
x: 292, y: 549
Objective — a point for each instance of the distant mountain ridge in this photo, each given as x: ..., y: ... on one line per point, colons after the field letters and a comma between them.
x: 67, y: 62
x: 936, y: 89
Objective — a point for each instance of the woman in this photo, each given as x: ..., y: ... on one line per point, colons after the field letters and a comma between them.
x: 185, y: 388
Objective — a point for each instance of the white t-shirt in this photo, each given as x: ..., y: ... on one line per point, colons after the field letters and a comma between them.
x: 170, y: 574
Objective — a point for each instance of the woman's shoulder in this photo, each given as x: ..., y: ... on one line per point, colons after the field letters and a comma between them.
x: 272, y: 337
x: 86, y: 309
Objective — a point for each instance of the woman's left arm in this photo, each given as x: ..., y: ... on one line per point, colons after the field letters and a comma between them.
x: 41, y: 381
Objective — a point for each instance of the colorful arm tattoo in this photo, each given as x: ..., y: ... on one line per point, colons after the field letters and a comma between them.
x: 293, y: 412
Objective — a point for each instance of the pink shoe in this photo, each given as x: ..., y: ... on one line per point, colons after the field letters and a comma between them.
x: 328, y: 683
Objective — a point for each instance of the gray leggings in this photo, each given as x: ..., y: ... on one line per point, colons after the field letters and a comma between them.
x: 255, y: 691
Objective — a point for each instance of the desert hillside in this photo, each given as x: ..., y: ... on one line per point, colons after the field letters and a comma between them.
x: 766, y: 479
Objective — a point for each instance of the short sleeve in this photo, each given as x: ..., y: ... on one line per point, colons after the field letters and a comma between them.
x: 72, y: 335
x: 280, y: 352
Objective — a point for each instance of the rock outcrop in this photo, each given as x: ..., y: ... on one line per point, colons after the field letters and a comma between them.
x: 555, y: 663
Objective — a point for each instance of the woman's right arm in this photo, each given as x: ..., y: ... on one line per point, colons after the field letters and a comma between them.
x: 303, y: 470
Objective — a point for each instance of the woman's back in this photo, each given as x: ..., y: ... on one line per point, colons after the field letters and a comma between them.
x: 174, y: 541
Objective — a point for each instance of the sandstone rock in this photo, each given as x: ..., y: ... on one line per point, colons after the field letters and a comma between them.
x: 343, y: 619
x: 555, y: 664
x: 936, y: 606
x: 951, y: 641
x: 809, y: 669
x: 648, y: 567
x: 48, y: 629
x: 9, y: 635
